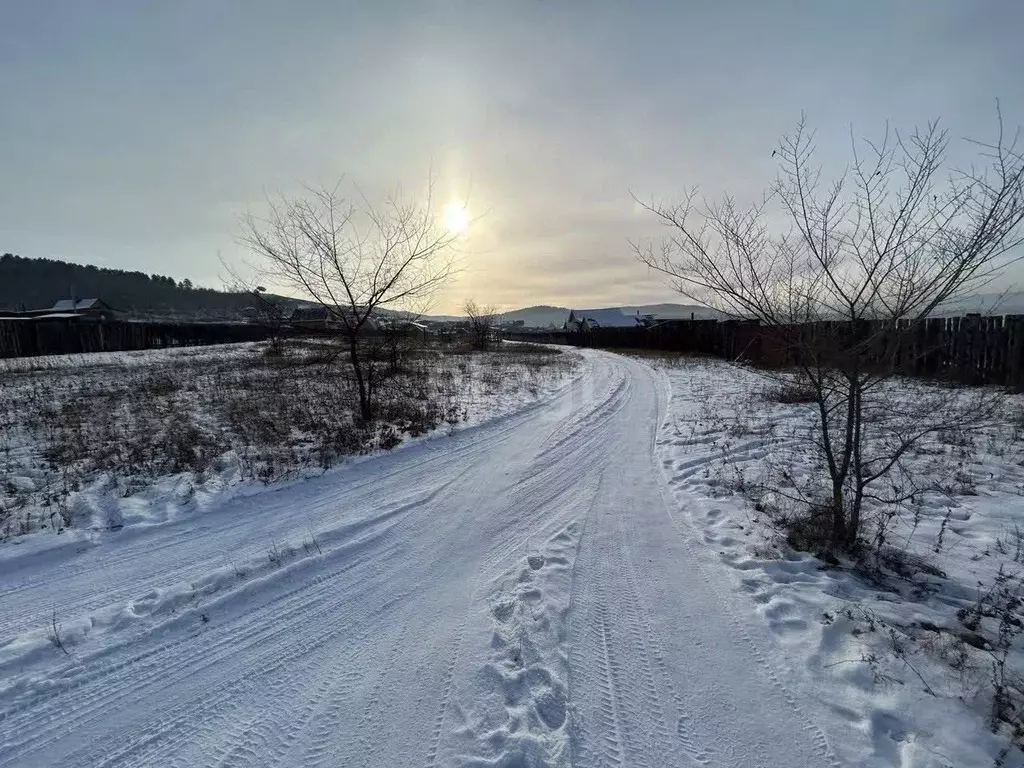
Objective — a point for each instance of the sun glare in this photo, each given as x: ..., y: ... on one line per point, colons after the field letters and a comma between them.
x: 456, y: 218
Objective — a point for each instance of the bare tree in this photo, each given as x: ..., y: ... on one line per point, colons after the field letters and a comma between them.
x: 271, y: 311
x: 482, y: 320
x: 885, y: 243
x: 354, y: 257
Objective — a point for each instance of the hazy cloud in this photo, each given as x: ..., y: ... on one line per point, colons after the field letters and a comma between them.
x: 134, y: 134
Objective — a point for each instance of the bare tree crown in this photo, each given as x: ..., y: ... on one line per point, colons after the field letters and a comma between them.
x: 893, y: 236
x: 352, y: 255
x: 482, y: 320
x: 891, y: 239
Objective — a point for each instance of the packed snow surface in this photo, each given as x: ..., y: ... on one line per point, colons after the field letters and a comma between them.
x: 532, y: 591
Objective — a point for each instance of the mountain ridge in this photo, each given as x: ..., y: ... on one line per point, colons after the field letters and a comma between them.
x: 37, y: 283
x: 547, y: 315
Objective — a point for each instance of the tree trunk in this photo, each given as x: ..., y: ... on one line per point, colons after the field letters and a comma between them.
x: 840, y: 523
x: 838, y: 537
x: 836, y: 469
x: 365, y: 406
x: 853, y: 524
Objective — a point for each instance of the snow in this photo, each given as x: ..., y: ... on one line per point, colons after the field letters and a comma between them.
x: 48, y: 316
x: 117, y: 440
x: 541, y: 589
x: 838, y: 627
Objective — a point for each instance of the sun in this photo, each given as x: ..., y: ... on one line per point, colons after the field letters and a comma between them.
x: 456, y: 218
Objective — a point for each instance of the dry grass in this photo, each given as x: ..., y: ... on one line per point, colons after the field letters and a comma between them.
x: 271, y: 413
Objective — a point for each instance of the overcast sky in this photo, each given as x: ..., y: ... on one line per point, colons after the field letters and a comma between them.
x: 133, y: 134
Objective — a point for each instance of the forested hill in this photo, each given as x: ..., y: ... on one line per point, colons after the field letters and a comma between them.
x: 38, y: 283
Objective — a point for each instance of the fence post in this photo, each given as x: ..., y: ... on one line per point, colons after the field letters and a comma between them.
x: 1015, y: 333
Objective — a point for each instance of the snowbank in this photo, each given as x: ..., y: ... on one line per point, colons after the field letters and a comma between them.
x: 900, y: 646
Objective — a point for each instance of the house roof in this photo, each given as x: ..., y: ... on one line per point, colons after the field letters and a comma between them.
x: 320, y: 313
x: 309, y: 314
x: 71, y: 305
x: 605, y: 318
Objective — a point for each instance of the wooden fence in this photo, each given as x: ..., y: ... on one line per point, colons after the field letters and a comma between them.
x: 972, y: 350
x: 29, y: 337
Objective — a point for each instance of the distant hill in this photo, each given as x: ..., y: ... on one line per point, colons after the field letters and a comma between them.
x: 38, y: 283
x: 545, y: 316
x: 675, y: 311
x: 27, y: 283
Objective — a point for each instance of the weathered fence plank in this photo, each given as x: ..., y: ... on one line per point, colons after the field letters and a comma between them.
x: 61, y: 336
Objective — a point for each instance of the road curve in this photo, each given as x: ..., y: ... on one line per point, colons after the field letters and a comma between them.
x: 518, y: 594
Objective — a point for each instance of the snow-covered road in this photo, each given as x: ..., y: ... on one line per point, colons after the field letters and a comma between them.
x: 518, y: 594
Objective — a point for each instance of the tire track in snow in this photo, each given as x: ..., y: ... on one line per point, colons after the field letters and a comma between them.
x: 143, y: 662
x: 445, y: 698
x: 324, y: 692
x: 343, y: 674
x: 303, y: 606
x: 147, y: 669
x: 642, y: 636
x: 325, y: 718
x: 605, y: 732
x: 586, y: 423
x: 118, y: 553
x: 325, y: 666
x: 674, y: 489
x: 631, y: 723
x: 639, y: 704
x: 285, y: 682
x: 655, y: 722
x: 645, y: 638
x: 259, y: 730
x: 279, y: 727
x: 684, y: 471
x: 810, y: 726
x: 602, y: 719
x: 612, y: 736
x: 694, y: 750
x: 85, y: 669
x: 577, y: 724
x: 368, y: 722
x: 545, y: 483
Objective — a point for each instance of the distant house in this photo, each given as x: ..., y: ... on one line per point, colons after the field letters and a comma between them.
x: 411, y: 329
x: 66, y: 310
x: 318, y: 317
x: 588, y: 319
x: 314, y: 318
x: 84, y: 308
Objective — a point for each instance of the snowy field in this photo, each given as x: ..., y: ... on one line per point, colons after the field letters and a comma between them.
x: 579, y: 577
x: 909, y: 644
x: 98, y: 442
